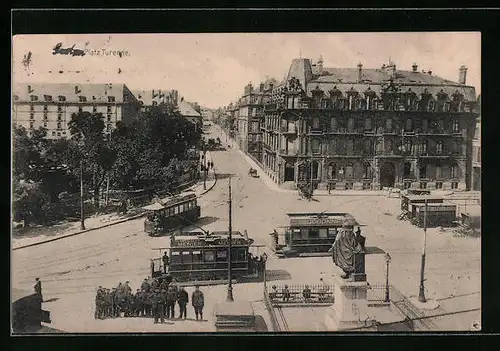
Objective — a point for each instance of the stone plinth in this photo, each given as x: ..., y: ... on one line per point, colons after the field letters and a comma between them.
x: 415, y: 185
x: 431, y: 186
x: 446, y: 185
x: 350, y: 309
x: 234, y: 316
x: 358, y: 186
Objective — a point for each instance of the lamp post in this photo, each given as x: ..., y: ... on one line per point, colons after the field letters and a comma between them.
x: 229, y: 263
x: 421, y: 293
x: 387, y: 261
x: 82, y: 215
x: 264, y: 260
x: 204, y: 167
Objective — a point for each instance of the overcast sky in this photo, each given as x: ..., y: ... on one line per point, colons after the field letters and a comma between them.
x: 212, y: 69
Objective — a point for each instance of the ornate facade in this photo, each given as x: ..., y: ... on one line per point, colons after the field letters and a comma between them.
x: 367, y: 129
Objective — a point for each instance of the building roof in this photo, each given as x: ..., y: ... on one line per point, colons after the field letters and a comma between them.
x: 187, y: 110
x: 148, y: 96
x: 92, y: 92
x: 18, y: 294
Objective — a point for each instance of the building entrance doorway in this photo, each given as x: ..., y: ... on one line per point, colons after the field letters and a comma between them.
x: 387, y: 175
x: 289, y: 172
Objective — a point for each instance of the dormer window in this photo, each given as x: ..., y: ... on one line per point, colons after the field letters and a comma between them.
x: 408, y: 125
x: 33, y: 98
x: 82, y: 99
x: 62, y: 98
x: 456, y: 126
x: 111, y: 99
x: 47, y: 98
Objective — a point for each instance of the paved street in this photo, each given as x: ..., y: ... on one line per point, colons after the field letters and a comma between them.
x: 72, y: 268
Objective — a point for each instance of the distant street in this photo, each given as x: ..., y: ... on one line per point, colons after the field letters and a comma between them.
x: 72, y: 268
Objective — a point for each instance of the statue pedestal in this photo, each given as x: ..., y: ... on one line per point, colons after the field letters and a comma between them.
x: 350, y: 309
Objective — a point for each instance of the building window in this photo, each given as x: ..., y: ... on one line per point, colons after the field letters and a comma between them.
x: 62, y: 98
x: 111, y: 99
x: 422, y: 170
x: 407, y: 170
x: 47, y: 97
x: 350, y: 124
x: 108, y: 127
x: 316, y: 146
x: 16, y: 97
x: 94, y: 109
x: 439, y: 147
x: 423, y: 147
x: 349, y: 170
x: 333, y: 124
x: 408, y: 125
x: 350, y: 147
x: 59, y: 116
x: 408, y: 146
x: 454, y: 172
x: 316, y: 123
x: 368, y: 146
x: 456, y: 126
x: 32, y: 125
x: 58, y: 134
x: 425, y: 125
x: 388, y: 125
x: 439, y: 172
x: 33, y: 98
x: 59, y: 108
x: 368, y: 124
x: 45, y: 115
x: 109, y: 117
x: 32, y: 115
x: 53, y: 133
x: 431, y: 105
x: 45, y: 108
x: 82, y: 98
x: 45, y: 124
x: 367, y: 171
x: 58, y: 125
x: 32, y: 108
x: 80, y: 109
x: 389, y: 145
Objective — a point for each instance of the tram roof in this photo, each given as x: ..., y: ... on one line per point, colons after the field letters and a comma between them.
x: 424, y: 197
x: 217, y: 238
x: 319, y: 214
x: 320, y: 219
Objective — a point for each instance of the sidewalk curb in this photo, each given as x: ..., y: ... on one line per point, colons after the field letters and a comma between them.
x: 101, y: 227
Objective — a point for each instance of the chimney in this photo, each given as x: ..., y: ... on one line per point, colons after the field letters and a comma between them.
x: 360, y: 71
x: 462, y: 75
x: 414, y: 67
x: 429, y: 72
x: 152, y: 94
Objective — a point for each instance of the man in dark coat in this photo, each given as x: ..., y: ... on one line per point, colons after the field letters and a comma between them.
x: 171, y: 298
x: 113, y: 303
x: 158, y: 302
x: 98, y: 303
x: 148, y: 303
x: 198, y: 302
x: 145, y: 285
x: 182, y: 300
x: 345, y: 248
x: 165, y: 260
x: 38, y: 288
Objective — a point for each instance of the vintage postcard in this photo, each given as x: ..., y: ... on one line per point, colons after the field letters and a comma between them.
x: 252, y: 182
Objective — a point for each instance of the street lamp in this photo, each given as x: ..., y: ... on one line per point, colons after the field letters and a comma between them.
x: 387, y: 261
x: 264, y: 260
x: 421, y: 293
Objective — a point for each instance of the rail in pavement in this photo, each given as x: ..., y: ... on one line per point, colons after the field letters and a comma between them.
x: 141, y: 214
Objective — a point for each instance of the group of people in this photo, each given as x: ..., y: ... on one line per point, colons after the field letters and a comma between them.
x: 156, y: 298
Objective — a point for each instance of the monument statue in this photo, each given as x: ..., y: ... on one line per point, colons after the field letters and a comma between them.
x: 347, y: 250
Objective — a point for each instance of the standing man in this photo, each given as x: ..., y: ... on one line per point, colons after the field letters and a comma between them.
x: 171, y: 297
x: 112, y: 296
x: 98, y: 298
x: 198, y: 302
x: 165, y: 262
x: 145, y: 285
x: 182, y: 300
x: 38, y: 288
x: 158, y: 306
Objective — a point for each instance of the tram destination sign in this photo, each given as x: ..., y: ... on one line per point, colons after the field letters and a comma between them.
x: 317, y: 222
x: 206, y: 243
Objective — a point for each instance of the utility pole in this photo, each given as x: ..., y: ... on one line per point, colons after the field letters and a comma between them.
x: 82, y: 215
x: 230, y: 285
x: 421, y: 294
x: 204, y: 167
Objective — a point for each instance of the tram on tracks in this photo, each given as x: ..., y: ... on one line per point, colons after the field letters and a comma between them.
x: 164, y: 217
x: 308, y: 233
x: 198, y: 256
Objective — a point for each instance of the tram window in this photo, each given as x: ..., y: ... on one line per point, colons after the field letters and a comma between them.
x: 176, y: 209
x: 209, y: 256
x: 332, y: 232
x: 242, y: 255
x: 175, y: 257
x: 296, y: 234
x: 186, y: 257
x: 304, y: 233
x: 196, y: 256
x: 313, y: 233
x: 323, y: 232
x: 222, y: 255
x: 185, y: 207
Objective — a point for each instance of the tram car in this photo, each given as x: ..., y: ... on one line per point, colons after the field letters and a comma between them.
x: 165, y: 217
x: 407, y: 200
x: 308, y: 233
x: 438, y: 214
x: 198, y: 256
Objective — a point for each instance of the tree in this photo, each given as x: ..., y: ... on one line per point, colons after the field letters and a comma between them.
x: 87, y: 131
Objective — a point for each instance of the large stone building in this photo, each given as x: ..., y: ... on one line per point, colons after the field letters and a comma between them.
x: 476, y: 152
x: 369, y: 128
x: 251, y: 116
x: 50, y: 105
x: 155, y: 97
